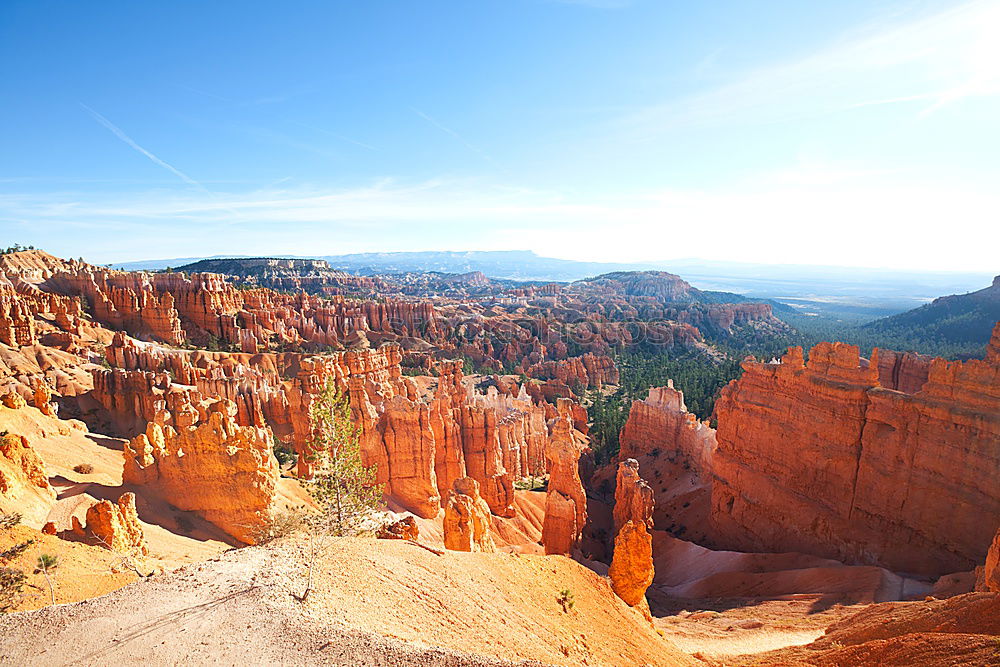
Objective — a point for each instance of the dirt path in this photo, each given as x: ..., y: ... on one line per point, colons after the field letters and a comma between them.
x: 229, y: 611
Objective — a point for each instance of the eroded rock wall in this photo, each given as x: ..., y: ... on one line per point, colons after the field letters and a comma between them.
x: 209, y: 464
x: 821, y: 459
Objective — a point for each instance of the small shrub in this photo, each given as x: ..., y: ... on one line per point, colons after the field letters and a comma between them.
x: 8, y: 521
x: 285, y: 455
x: 11, y: 583
x: 281, y: 524
x: 566, y: 600
x: 16, y: 550
x: 83, y: 468
x: 47, y: 563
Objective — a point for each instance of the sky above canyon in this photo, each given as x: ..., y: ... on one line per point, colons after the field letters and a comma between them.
x: 858, y: 133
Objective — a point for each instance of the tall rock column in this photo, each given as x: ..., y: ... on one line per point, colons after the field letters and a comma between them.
x: 566, y: 502
x: 632, y: 564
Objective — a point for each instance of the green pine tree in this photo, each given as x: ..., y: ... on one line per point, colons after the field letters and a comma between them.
x: 345, y: 490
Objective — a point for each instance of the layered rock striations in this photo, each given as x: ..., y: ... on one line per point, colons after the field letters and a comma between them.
x: 205, y: 462
x: 821, y: 459
x: 631, y: 569
x: 661, y: 422
x: 588, y: 371
x: 903, y: 371
x: 566, y: 501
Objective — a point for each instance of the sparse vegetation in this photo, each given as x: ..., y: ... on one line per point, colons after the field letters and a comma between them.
x: 46, y: 563
x: 16, y: 550
x: 344, y: 489
x: 17, y: 247
x: 342, y: 486
x: 11, y: 582
x: 286, y: 455
x: 83, y: 468
x: 8, y: 521
x: 280, y: 525
x: 566, y: 599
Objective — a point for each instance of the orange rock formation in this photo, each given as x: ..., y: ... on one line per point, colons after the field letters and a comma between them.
x: 114, y: 526
x: 662, y: 422
x: 566, y: 502
x: 21, y: 471
x: 988, y: 578
x: 467, y: 521
x: 215, y: 467
x: 631, y: 569
x: 821, y: 459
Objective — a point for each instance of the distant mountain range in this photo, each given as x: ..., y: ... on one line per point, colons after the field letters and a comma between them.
x: 959, y: 318
x: 845, y: 293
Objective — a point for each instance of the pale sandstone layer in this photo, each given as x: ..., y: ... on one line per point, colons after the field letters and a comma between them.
x: 209, y: 464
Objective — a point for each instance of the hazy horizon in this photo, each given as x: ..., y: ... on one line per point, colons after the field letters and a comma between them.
x: 680, y: 261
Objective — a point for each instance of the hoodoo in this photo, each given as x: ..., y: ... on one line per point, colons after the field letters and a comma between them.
x: 632, y: 564
x: 566, y: 502
x: 467, y: 522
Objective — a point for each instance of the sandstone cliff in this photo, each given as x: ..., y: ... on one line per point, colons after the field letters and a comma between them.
x: 662, y: 422
x: 820, y: 458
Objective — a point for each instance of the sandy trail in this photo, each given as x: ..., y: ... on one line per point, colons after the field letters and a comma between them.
x: 232, y: 610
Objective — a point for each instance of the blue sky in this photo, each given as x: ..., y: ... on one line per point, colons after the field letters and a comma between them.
x: 859, y: 132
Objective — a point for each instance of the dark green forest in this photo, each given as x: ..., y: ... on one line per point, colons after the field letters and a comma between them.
x: 701, y: 376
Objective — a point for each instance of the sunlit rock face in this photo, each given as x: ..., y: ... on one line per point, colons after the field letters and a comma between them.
x: 207, y: 463
x: 631, y: 569
x: 566, y: 502
x: 821, y: 458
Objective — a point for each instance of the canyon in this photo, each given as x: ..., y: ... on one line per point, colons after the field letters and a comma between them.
x: 143, y: 413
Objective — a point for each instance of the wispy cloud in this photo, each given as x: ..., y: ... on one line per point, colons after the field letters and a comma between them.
x: 129, y: 141
x: 447, y: 130
x: 941, y: 59
x: 338, y: 136
x: 768, y: 218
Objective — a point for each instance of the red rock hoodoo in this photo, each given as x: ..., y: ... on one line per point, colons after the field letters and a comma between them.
x: 467, y: 521
x: 631, y: 569
x: 566, y: 502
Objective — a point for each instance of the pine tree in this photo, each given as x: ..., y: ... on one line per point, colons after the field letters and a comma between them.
x: 342, y: 486
x: 344, y: 489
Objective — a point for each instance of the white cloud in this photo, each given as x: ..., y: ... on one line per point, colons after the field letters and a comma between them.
x: 824, y: 215
x: 935, y: 60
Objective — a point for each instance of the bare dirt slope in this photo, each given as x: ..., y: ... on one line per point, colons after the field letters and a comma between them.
x: 501, y: 604
x: 376, y: 602
x: 962, y: 630
x: 231, y: 610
